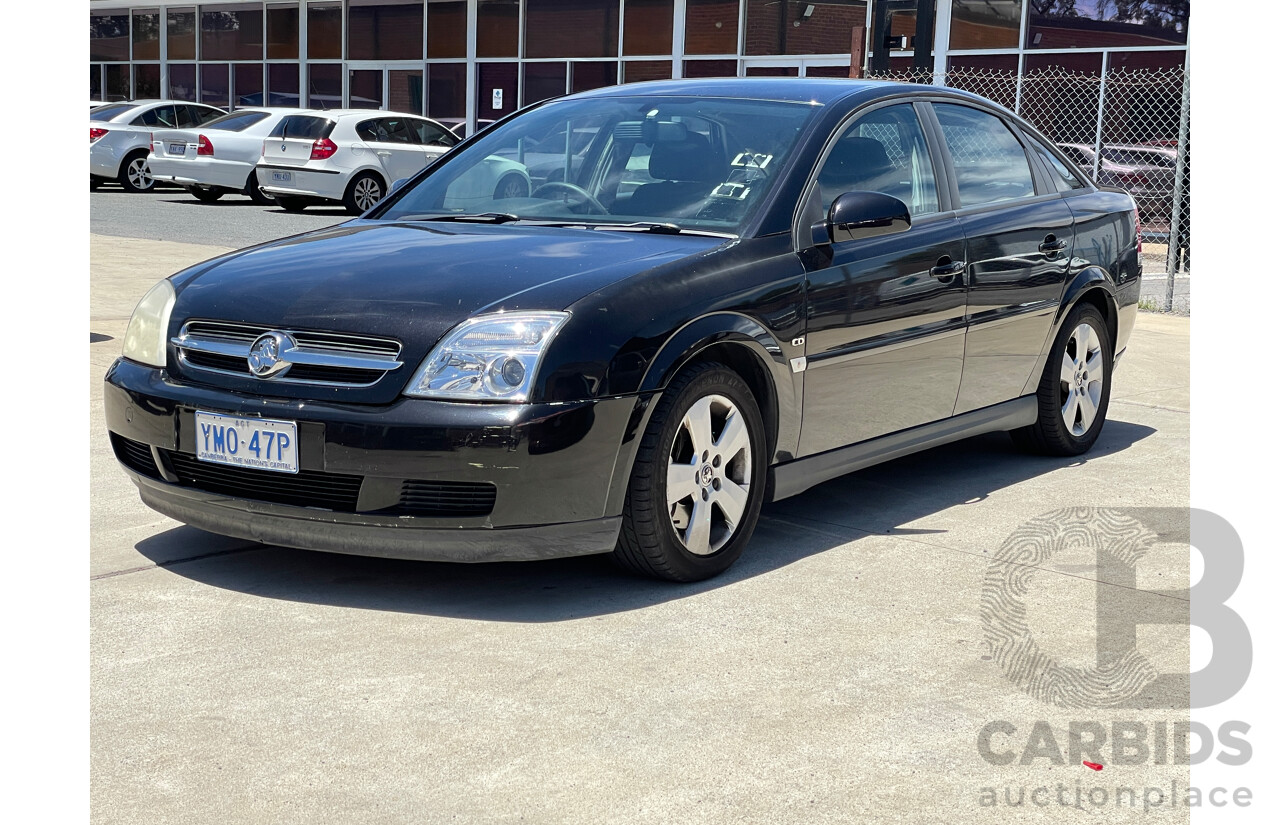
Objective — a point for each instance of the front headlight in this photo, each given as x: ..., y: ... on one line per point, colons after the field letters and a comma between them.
x: 487, y: 358
x: 144, y: 340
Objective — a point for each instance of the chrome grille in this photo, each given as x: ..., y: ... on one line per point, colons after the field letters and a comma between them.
x: 324, y: 358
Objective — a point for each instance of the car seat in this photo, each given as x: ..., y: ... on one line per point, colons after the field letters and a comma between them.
x: 857, y: 164
x: 686, y: 171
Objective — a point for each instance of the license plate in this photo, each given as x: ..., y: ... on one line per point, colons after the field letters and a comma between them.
x: 177, y: 148
x: 282, y: 177
x: 260, y: 443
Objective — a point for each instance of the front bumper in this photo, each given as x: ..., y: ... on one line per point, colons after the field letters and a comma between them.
x: 558, y: 471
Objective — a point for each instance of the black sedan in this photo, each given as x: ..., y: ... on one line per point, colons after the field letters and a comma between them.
x: 718, y: 294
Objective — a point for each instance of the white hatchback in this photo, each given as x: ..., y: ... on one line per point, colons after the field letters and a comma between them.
x: 219, y: 157
x: 351, y: 156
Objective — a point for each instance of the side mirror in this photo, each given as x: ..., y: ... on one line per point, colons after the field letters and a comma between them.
x: 857, y: 215
x: 398, y: 184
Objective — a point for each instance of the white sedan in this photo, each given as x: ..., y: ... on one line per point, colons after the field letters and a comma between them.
x: 220, y: 157
x: 120, y: 137
x: 351, y: 156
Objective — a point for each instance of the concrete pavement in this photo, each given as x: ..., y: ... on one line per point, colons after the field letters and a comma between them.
x: 838, y: 673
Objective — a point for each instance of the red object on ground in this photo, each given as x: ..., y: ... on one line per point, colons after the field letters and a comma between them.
x: 1093, y: 765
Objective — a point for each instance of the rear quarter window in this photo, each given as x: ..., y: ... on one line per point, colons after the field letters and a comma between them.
x: 303, y: 127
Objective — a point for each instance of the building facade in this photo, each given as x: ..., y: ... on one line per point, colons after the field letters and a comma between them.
x: 481, y: 59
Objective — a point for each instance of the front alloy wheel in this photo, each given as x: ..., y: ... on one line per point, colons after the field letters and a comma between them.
x: 698, y: 481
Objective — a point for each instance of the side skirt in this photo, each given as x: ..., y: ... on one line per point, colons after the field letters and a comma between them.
x: 797, y: 476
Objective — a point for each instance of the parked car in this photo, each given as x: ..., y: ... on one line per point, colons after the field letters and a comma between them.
x: 218, y: 158
x: 351, y: 156
x: 1145, y: 172
x: 120, y: 137
x: 803, y: 277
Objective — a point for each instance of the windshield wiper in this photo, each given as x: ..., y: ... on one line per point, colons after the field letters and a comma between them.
x: 482, y: 217
x: 658, y: 228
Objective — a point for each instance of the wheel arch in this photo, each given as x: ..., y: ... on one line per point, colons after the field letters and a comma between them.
x: 1092, y: 285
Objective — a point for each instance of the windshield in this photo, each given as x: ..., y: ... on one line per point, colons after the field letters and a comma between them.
x: 696, y: 162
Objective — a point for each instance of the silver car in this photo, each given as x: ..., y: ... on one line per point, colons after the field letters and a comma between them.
x: 120, y: 137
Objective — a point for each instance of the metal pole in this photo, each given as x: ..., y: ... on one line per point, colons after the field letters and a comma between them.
x: 1102, y: 105
x: 1179, y: 186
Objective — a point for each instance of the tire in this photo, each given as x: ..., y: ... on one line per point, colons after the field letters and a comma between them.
x: 94, y: 183
x: 1075, y: 390
x: 205, y: 195
x: 511, y: 186
x: 291, y: 204
x: 135, y: 174
x: 363, y: 193
x: 659, y: 536
x: 254, y: 190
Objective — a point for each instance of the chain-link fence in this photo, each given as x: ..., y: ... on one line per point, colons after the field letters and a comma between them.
x: 1127, y: 128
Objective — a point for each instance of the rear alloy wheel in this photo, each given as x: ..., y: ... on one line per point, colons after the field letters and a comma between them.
x: 511, y: 186
x: 291, y: 204
x: 254, y: 190
x: 205, y: 195
x: 1075, y: 388
x: 135, y: 175
x: 363, y: 193
x: 698, y: 480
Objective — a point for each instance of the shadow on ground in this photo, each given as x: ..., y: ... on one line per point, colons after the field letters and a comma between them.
x: 868, y: 503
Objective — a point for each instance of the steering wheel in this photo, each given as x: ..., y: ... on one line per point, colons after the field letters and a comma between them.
x: 581, y: 196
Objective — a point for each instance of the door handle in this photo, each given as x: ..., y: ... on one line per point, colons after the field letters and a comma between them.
x: 947, y: 269
x: 1052, y: 244
x: 383, y: 154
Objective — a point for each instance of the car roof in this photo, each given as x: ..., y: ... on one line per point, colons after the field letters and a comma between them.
x: 818, y: 90
x: 337, y: 113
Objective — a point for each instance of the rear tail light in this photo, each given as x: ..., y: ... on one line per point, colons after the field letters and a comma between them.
x: 205, y: 147
x: 323, y: 148
x: 151, y: 147
x: 264, y: 149
x: 95, y: 133
x: 1137, y: 227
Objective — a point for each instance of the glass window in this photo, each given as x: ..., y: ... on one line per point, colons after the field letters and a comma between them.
x: 826, y: 71
x: 324, y: 85
x: 499, y: 78
x: 231, y: 32
x: 282, y: 31
x: 182, y: 33
x: 282, y: 85
x: 1064, y: 180
x: 989, y: 162
x: 446, y: 90
x: 593, y: 74
x: 146, y: 81
x: 384, y: 30
x: 429, y: 134
x: 118, y: 81
x: 544, y: 80
x: 324, y: 31
x: 711, y: 27
x: 498, y: 28
x: 95, y: 82
x: 801, y: 27
x: 302, y: 127
x: 237, y: 122
x: 1098, y: 23
x: 157, y: 116
x: 710, y: 68
x: 385, y: 130
x: 446, y: 28
x: 571, y: 28
x: 364, y: 88
x: 703, y: 162
x: 146, y: 34
x: 405, y: 89
x: 986, y: 24
x: 248, y: 84
x: 884, y: 151
x: 191, y: 115
x: 215, y: 84
x: 109, y: 36
x: 182, y: 81
x: 636, y: 71
x: 647, y: 26
x: 110, y: 111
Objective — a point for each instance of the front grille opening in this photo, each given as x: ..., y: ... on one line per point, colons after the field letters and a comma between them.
x: 446, y: 499
x: 135, y: 455
x: 308, y: 488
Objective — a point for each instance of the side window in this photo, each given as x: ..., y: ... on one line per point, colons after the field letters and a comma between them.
x: 428, y: 134
x: 1064, y: 180
x: 188, y: 116
x: 883, y: 151
x: 990, y: 163
x: 161, y: 116
x: 204, y: 114
x: 397, y: 130
x: 368, y: 130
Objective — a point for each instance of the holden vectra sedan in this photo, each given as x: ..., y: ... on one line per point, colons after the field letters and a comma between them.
x: 732, y: 291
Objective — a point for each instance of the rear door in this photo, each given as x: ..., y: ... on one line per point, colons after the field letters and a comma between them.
x: 1019, y: 237
x: 394, y: 144
x: 434, y: 138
